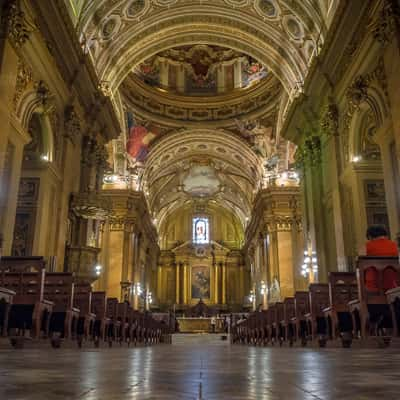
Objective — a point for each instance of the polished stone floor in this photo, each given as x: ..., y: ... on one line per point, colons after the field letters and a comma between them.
x: 199, y: 367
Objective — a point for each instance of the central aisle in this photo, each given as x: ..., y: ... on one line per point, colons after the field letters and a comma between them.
x: 199, y: 367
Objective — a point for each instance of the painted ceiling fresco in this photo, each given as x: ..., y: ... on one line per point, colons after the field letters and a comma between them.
x: 201, y: 70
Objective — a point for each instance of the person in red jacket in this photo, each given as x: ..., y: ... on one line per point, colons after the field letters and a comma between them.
x: 379, y: 244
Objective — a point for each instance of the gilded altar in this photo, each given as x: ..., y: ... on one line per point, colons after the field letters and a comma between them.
x: 198, y: 325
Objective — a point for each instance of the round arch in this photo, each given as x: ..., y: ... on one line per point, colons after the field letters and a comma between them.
x: 212, y: 24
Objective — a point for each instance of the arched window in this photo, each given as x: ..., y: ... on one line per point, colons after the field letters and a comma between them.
x: 200, y: 230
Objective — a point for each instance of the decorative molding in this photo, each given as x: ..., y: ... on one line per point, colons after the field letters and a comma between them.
x: 386, y: 24
x: 17, y: 27
x: 72, y: 124
x: 24, y: 78
x: 330, y: 119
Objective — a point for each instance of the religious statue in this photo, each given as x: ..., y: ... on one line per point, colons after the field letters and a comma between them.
x: 275, y: 291
x: 261, y: 137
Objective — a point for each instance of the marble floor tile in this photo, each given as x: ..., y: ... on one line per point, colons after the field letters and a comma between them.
x: 199, y: 367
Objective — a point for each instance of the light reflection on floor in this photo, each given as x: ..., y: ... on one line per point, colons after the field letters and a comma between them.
x: 199, y: 368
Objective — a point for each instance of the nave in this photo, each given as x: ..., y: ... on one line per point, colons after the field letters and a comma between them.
x: 200, y: 367
x: 186, y: 166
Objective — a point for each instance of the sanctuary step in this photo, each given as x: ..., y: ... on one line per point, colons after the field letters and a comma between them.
x: 195, y: 339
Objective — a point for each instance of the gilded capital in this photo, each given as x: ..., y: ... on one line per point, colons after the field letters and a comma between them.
x: 385, y: 25
x: 72, y: 125
x: 330, y: 119
x: 17, y: 27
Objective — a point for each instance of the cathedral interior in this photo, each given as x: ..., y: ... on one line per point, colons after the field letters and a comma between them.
x: 193, y: 161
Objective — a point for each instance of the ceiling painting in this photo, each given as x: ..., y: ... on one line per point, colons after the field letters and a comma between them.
x: 201, y: 70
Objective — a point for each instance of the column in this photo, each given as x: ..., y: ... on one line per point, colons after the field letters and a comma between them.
x: 12, y: 137
x: 115, y: 261
x: 216, y: 291
x: 237, y: 74
x: 9, y: 199
x: 180, y: 79
x: 164, y: 73
x: 185, y: 283
x: 286, y: 263
x: 389, y: 39
x: 160, y: 296
x: 223, y: 282
x: 221, y: 78
x: 241, y: 283
x: 177, y: 283
x: 313, y: 191
x: 391, y: 176
x: 330, y: 149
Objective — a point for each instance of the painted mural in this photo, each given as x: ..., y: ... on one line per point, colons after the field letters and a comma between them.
x: 200, y: 282
x: 201, y: 70
x: 139, y: 138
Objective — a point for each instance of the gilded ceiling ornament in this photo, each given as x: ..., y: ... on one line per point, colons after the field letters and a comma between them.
x: 267, y: 8
x: 17, y: 27
x: 330, y: 119
x: 384, y: 27
x: 24, y: 77
x: 137, y: 8
x: 357, y: 92
x: 294, y: 27
x: 44, y: 95
x: 104, y: 88
x: 312, y: 150
x: 72, y: 124
x: 110, y: 27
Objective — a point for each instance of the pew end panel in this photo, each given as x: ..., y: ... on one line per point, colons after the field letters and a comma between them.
x: 371, y: 312
x: 318, y: 300
x: 29, y: 311
x: 6, y: 300
x: 342, y: 289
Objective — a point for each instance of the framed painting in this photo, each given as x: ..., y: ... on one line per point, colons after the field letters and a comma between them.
x: 200, y: 278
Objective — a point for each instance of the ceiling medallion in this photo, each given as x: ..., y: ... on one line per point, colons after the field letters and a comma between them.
x: 136, y: 8
x: 267, y: 8
x: 110, y: 26
x: 238, y: 3
x: 293, y: 27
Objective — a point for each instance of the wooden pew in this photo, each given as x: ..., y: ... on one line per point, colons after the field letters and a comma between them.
x: 263, y: 321
x: 319, y: 300
x: 288, y: 314
x: 134, y: 330
x: 124, y: 317
x: 83, y: 302
x: 272, y: 334
x: 370, y: 312
x: 59, y: 288
x: 6, y: 300
x: 342, y: 290
x: 393, y: 299
x: 302, y: 307
x: 102, y: 322
x: 114, y: 327
x: 30, y: 310
x: 279, y: 317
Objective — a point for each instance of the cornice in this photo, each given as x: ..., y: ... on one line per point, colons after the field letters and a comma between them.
x: 131, y: 206
x: 75, y: 66
x: 217, y: 111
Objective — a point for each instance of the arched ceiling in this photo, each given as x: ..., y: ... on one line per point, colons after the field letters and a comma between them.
x: 200, y: 167
x: 121, y: 34
x: 214, y: 147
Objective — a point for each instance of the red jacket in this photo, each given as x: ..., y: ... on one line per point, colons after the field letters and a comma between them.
x: 382, y: 247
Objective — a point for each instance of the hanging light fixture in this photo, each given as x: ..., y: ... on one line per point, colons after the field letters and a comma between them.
x: 310, y: 263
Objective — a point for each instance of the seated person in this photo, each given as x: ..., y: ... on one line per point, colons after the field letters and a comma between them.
x: 379, y: 244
